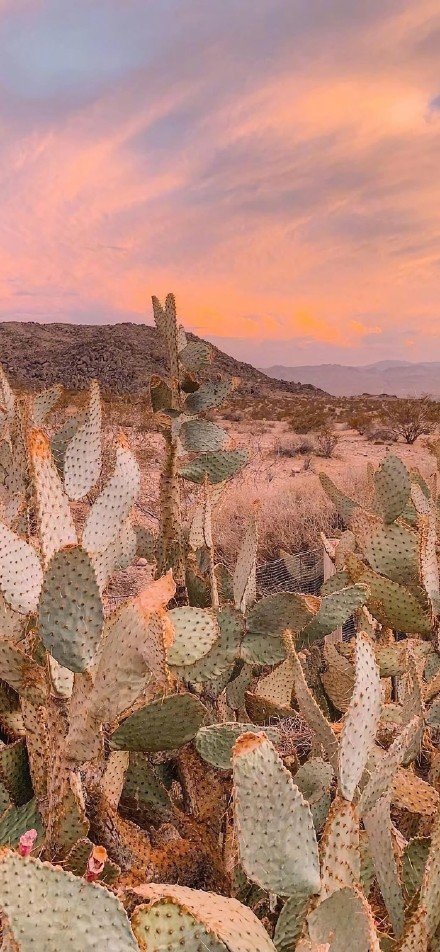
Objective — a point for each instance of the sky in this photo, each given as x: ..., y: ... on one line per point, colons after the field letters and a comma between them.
x: 275, y: 163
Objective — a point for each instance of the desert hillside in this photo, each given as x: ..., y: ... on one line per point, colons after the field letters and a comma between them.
x: 121, y: 356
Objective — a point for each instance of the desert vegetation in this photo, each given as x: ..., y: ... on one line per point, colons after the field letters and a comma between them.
x: 188, y: 765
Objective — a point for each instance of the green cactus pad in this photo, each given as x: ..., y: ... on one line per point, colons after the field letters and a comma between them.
x: 396, y: 606
x: 165, y: 319
x: 70, y: 610
x: 201, y: 436
x: 392, y: 550
x: 223, y: 653
x: 342, y: 503
x: 377, y: 823
x: 21, y: 575
x: 430, y: 888
x: 314, y: 779
x: 55, y: 522
x: 335, y: 583
x: 414, y: 860
x: 277, y: 686
x: 83, y: 454
x: 167, y: 926
x: 131, y: 662
x: 208, y: 396
x: 268, y: 619
x: 17, y: 820
x: 275, y: 833
x: 344, y: 920
x: 311, y: 712
x: 290, y: 922
x: 162, y: 725
x: 234, y: 927
x: 14, y: 772
x: 334, y: 611
x: 112, y: 507
x: 393, y: 487
x: 217, y: 466
x: 76, y: 863
x: 196, y: 630
x: 43, y: 903
x: 215, y: 743
x: 361, y: 720
x: 195, y: 355
x: 143, y: 785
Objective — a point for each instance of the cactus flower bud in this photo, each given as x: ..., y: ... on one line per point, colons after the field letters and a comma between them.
x: 26, y: 842
x: 95, y: 863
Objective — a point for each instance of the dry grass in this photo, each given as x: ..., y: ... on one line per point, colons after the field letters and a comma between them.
x: 291, y: 514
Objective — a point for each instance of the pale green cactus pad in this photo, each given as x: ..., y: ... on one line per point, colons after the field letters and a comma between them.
x: 233, y: 925
x: 215, y: 743
x: 274, y: 825
x: 345, y: 921
x: 216, y: 466
x: 112, y: 507
x: 83, y: 455
x: 361, y: 720
x: 42, y: 903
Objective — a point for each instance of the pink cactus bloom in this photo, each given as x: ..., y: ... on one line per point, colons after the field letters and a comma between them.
x: 27, y: 842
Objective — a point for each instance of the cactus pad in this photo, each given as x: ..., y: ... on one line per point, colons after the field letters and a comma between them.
x: 162, y: 725
x: 82, y: 457
x: 217, y: 466
x: 215, y: 743
x: 70, y: 609
x: 42, y: 903
x: 195, y: 632
x: 344, y: 920
x: 234, y: 926
x: 275, y: 832
x: 201, y: 436
x: 112, y: 507
x: 393, y: 487
x: 21, y: 575
x: 361, y: 720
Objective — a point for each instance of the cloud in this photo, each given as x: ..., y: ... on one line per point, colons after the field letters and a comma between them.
x: 275, y: 164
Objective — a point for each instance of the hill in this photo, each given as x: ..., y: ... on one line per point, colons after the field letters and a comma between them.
x: 394, y: 377
x: 121, y: 356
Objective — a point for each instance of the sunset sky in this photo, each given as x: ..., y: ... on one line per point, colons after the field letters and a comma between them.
x: 276, y: 163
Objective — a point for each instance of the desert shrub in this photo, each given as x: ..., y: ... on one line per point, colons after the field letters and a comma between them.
x: 409, y: 418
x: 326, y: 443
x: 291, y: 445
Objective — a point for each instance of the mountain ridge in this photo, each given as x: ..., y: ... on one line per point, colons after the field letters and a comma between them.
x: 392, y: 377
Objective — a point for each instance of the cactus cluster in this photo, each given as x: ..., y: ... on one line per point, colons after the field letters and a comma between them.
x: 202, y: 769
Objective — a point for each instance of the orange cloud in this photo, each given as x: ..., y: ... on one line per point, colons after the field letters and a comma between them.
x: 286, y: 197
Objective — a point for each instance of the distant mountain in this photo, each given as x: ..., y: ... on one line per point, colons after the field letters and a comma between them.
x: 397, y: 377
x: 121, y: 356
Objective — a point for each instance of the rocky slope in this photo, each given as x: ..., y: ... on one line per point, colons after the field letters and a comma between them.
x: 121, y: 356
